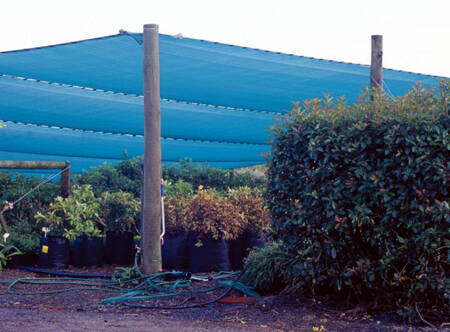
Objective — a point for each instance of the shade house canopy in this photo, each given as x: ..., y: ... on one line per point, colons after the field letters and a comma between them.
x: 83, y: 101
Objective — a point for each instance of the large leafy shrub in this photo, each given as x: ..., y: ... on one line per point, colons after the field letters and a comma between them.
x: 360, y: 194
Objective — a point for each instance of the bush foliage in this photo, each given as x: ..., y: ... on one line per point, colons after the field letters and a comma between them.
x: 360, y: 194
x: 252, y: 208
x: 211, y: 214
x: 20, y: 220
x: 120, y: 211
x: 73, y: 216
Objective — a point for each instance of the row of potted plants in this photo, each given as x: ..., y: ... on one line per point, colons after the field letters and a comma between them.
x: 209, y: 231
x: 84, y: 219
x: 204, y: 231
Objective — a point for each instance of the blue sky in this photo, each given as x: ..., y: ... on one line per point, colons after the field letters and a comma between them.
x: 416, y: 33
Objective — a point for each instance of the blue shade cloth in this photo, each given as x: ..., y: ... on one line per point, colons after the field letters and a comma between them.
x: 65, y: 106
x: 200, y: 71
x: 93, y: 110
x: 66, y: 144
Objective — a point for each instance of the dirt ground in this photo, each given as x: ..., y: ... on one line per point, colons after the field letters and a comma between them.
x: 82, y: 311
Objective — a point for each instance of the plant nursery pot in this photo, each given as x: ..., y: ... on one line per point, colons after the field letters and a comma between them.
x: 237, y: 251
x: 27, y: 259
x: 175, y: 253
x: 253, y: 239
x: 54, y: 252
x: 212, y: 255
x: 120, y: 248
x: 88, y: 251
x: 241, y: 246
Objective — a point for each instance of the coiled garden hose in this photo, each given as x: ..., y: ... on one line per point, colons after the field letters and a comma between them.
x: 135, y: 287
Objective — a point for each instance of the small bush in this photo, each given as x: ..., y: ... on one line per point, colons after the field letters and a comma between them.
x: 266, y: 268
x: 175, y: 209
x: 210, y: 214
x: 251, y: 206
x: 6, y: 252
x: 73, y: 216
x: 120, y: 211
x: 359, y: 193
x: 180, y: 188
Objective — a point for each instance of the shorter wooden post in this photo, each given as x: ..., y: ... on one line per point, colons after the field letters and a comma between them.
x: 65, y: 181
x: 64, y: 165
x: 376, y: 65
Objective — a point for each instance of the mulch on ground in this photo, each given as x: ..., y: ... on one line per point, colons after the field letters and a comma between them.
x: 272, y: 313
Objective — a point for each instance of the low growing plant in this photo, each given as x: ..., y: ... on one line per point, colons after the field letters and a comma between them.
x: 175, y: 209
x: 6, y: 252
x: 252, y: 207
x: 73, y: 216
x: 120, y: 211
x: 210, y: 214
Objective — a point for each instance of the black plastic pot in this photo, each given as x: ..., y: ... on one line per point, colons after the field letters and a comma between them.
x: 88, y: 251
x: 212, y: 255
x: 237, y: 251
x: 26, y: 259
x: 120, y: 248
x: 54, y: 252
x: 175, y: 251
x: 240, y: 247
x: 254, y: 239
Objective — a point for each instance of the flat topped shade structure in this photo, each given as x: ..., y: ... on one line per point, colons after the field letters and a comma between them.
x: 200, y: 71
x: 83, y: 101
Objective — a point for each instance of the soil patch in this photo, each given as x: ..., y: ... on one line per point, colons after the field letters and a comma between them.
x: 82, y: 310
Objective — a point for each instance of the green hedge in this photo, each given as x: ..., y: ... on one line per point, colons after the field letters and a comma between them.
x: 360, y: 194
x: 125, y: 176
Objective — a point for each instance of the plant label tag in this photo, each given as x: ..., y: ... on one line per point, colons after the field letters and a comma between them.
x: 45, y: 249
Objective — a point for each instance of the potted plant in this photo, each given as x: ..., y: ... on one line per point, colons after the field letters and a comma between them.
x: 256, y: 220
x: 54, y: 247
x: 75, y: 218
x: 120, y: 213
x: 212, y: 220
x: 7, y: 251
x: 174, y: 250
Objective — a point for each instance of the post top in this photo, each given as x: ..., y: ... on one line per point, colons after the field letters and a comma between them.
x: 151, y: 26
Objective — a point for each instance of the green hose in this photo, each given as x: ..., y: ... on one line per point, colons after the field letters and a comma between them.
x: 133, y: 285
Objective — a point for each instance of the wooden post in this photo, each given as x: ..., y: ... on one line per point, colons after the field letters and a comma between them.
x: 64, y: 165
x: 65, y: 176
x: 65, y: 180
x: 376, y: 65
x: 151, y: 223
x: 12, y: 164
